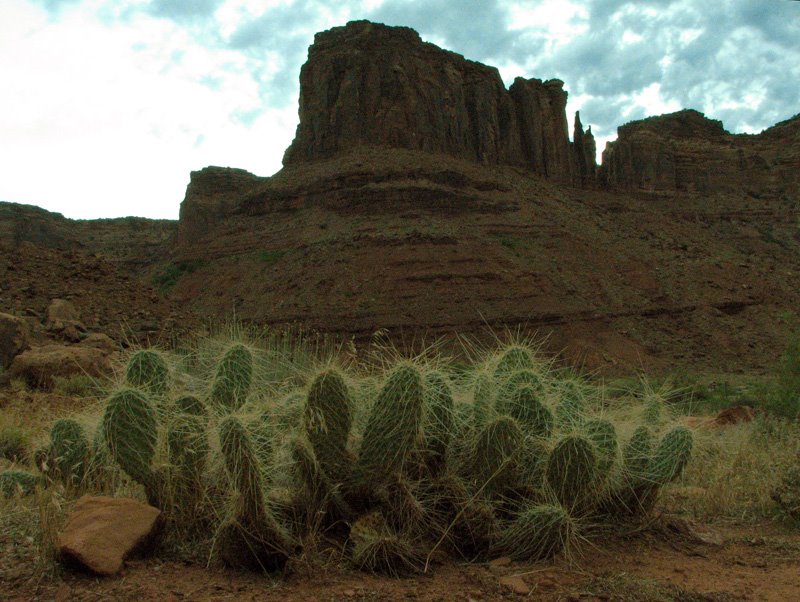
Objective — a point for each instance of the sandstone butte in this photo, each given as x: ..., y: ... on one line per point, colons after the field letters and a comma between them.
x: 422, y: 197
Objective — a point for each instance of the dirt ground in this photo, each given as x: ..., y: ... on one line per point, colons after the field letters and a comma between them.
x: 671, y: 561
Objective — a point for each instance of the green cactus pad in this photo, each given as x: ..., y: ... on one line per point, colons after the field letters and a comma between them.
x: 572, y: 470
x: 130, y: 429
x: 483, y: 392
x: 525, y: 405
x: 69, y: 450
x: 496, y: 454
x: 671, y: 455
x: 571, y: 409
x: 513, y: 358
x: 328, y: 416
x: 191, y: 405
x: 393, y: 425
x: 148, y: 372
x: 637, y: 454
x: 377, y: 549
x: 232, y: 380
x: 654, y: 411
x: 438, y: 424
x: 537, y: 533
x: 603, y: 435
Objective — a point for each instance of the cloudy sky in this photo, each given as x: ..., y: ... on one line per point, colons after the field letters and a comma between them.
x: 107, y: 105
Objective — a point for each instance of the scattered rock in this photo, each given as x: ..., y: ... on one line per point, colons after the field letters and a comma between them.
x: 98, y: 340
x: 735, y: 415
x: 516, y: 584
x: 101, y: 532
x: 39, y: 366
x: 14, y: 335
x: 63, y: 319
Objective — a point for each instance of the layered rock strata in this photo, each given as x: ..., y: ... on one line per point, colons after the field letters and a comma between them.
x: 688, y: 153
x: 369, y: 84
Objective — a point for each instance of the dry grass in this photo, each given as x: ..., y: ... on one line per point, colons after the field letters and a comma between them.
x: 735, y: 470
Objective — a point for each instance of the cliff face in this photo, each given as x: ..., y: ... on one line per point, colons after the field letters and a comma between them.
x: 369, y: 84
x: 686, y: 152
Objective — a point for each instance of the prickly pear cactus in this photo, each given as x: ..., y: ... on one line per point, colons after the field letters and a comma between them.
x: 671, y: 455
x: 148, y: 372
x: 438, y: 422
x: 393, y: 425
x: 571, y: 408
x: 131, y: 433
x: 513, y: 359
x: 252, y: 537
x: 526, y: 406
x: 232, y: 380
x: 328, y: 416
x: 572, y: 471
x: 496, y: 454
x: 539, y: 532
x: 603, y: 435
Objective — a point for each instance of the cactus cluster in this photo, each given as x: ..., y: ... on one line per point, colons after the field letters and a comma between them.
x: 509, y: 460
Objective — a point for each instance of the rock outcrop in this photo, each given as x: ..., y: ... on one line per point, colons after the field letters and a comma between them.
x: 585, y: 151
x: 366, y: 84
x: 687, y: 152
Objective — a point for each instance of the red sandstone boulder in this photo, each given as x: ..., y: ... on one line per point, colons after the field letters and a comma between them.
x: 40, y: 366
x: 735, y: 415
x: 101, y: 532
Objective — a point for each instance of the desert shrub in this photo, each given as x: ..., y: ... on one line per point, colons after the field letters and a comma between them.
x: 14, y: 443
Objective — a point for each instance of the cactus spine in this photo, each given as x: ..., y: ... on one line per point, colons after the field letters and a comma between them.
x: 671, y: 455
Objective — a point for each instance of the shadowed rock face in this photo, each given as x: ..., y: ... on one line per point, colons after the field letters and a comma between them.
x: 687, y: 152
x: 369, y: 84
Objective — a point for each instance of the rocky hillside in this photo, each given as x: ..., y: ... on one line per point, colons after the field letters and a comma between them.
x: 422, y: 197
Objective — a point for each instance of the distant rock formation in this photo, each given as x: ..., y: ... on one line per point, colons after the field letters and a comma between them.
x: 687, y: 152
x: 585, y: 151
x: 370, y: 84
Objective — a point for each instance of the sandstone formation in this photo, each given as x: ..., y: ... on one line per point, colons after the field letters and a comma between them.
x: 366, y: 84
x: 64, y: 321
x: 688, y: 153
x: 101, y: 532
x: 422, y: 198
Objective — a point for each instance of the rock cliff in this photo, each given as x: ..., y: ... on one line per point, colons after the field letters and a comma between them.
x: 687, y: 152
x: 367, y: 84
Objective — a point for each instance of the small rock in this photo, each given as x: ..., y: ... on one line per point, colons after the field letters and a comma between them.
x: 735, y: 415
x: 516, y: 584
x: 102, y: 531
x: 501, y: 561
